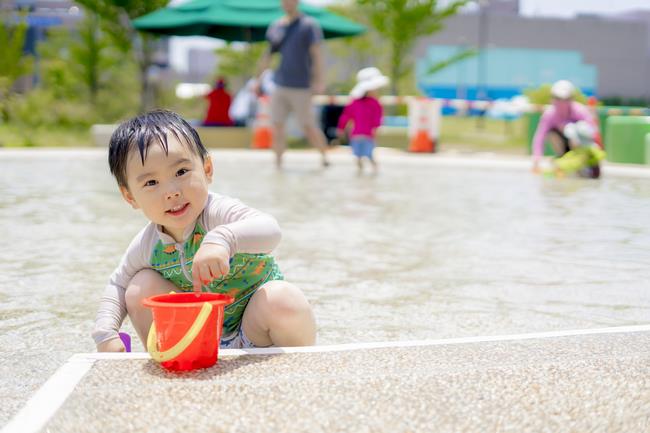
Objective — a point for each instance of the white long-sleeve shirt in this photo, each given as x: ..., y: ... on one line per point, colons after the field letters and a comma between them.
x: 227, y: 222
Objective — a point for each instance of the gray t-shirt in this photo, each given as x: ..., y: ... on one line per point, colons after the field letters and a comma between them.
x: 293, y: 41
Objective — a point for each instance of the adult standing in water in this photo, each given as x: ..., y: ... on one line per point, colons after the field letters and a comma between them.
x: 297, y: 38
x: 562, y: 112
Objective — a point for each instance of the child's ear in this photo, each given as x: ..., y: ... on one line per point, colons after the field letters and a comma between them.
x: 126, y: 194
x: 208, y: 168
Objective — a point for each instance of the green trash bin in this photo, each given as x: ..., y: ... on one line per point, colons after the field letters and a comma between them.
x: 647, y: 149
x: 626, y: 139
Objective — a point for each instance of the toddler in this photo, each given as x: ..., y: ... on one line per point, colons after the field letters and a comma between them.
x: 365, y: 112
x: 196, y: 240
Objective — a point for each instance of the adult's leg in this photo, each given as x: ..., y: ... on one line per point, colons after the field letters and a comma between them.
x: 317, y: 139
x: 280, y: 108
x: 301, y: 105
x: 279, y: 314
x: 279, y: 142
x: 145, y: 283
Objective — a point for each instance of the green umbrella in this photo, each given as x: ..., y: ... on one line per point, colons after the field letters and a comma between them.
x: 235, y: 20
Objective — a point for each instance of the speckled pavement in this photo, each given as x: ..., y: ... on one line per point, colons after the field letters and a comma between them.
x: 576, y: 383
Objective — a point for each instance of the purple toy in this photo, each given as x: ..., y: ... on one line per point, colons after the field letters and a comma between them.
x: 126, y: 339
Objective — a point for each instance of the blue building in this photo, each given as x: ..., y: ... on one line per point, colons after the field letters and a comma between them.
x: 501, y: 72
x: 603, y: 55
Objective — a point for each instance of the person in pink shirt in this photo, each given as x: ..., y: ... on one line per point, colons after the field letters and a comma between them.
x: 564, y: 111
x: 365, y: 113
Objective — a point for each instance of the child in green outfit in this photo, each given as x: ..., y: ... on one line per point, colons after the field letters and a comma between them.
x: 585, y: 155
x: 196, y: 240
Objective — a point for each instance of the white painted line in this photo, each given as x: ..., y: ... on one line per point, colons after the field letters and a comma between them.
x: 49, y: 398
x: 390, y: 344
x: 448, y: 341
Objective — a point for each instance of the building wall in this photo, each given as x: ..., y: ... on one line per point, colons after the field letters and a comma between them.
x: 617, y: 49
x: 507, y: 72
x: 201, y: 65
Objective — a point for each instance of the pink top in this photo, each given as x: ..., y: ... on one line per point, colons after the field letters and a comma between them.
x: 366, y: 114
x: 553, y: 118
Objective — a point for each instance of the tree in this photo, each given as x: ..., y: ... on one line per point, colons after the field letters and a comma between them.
x: 365, y: 48
x: 401, y: 22
x: 542, y: 95
x: 13, y: 63
x: 88, y: 54
x: 239, y: 61
x: 116, y: 16
x: 77, y: 64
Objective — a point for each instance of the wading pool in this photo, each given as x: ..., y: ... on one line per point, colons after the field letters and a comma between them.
x: 430, y: 248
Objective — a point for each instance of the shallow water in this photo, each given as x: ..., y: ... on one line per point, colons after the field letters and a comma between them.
x: 421, y: 251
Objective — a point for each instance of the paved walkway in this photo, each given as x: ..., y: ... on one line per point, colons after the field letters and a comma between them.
x: 574, y: 381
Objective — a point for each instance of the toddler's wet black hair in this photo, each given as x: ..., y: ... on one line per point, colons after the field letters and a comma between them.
x: 141, y: 131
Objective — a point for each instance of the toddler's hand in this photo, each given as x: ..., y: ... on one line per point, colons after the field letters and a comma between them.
x: 536, y: 169
x: 211, y: 261
x: 113, y: 345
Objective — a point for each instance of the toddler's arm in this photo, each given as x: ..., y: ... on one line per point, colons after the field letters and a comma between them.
x: 377, y: 115
x: 110, y: 315
x: 543, y: 127
x: 345, y: 117
x: 234, y: 228
x: 239, y: 228
x: 112, y: 307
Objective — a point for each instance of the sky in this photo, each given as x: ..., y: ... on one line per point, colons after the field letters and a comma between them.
x: 568, y: 8
x: 559, y: 8
x: 555, y: 8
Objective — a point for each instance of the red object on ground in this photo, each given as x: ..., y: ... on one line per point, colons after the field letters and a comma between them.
x: 422, y: 143
x: 218, y: 105
x: 262, y: 132
x: 173, y: 316
x: 592, y: 102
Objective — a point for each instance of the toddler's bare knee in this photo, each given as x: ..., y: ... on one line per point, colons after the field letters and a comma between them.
x: 285, y: 299
x: 142, y: 285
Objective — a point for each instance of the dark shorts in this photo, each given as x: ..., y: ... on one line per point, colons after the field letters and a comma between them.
x: 565, y: 141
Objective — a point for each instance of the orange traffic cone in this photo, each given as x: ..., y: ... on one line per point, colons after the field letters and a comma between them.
x: 421, y: 141
x: 262, y: 132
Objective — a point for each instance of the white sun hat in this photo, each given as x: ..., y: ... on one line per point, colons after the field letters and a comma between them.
x: 368, y: 79
x: 563, y: 89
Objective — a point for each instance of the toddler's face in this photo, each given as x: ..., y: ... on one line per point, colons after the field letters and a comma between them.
x: 171, y: 189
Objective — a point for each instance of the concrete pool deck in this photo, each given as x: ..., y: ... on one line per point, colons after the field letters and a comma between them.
x: 594, y: 380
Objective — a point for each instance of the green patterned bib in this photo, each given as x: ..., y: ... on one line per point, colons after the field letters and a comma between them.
x: 247, y: 273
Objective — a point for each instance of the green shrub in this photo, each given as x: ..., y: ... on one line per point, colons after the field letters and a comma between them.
x: 542, y: 95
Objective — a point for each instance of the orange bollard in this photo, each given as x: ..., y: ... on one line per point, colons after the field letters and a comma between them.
x: 422, y: 141
x: 262, y: 132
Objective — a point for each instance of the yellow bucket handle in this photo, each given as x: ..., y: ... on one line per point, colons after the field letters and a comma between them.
x: 183, y: 343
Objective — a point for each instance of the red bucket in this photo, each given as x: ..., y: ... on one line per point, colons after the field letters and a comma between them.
x: 186, y: 329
